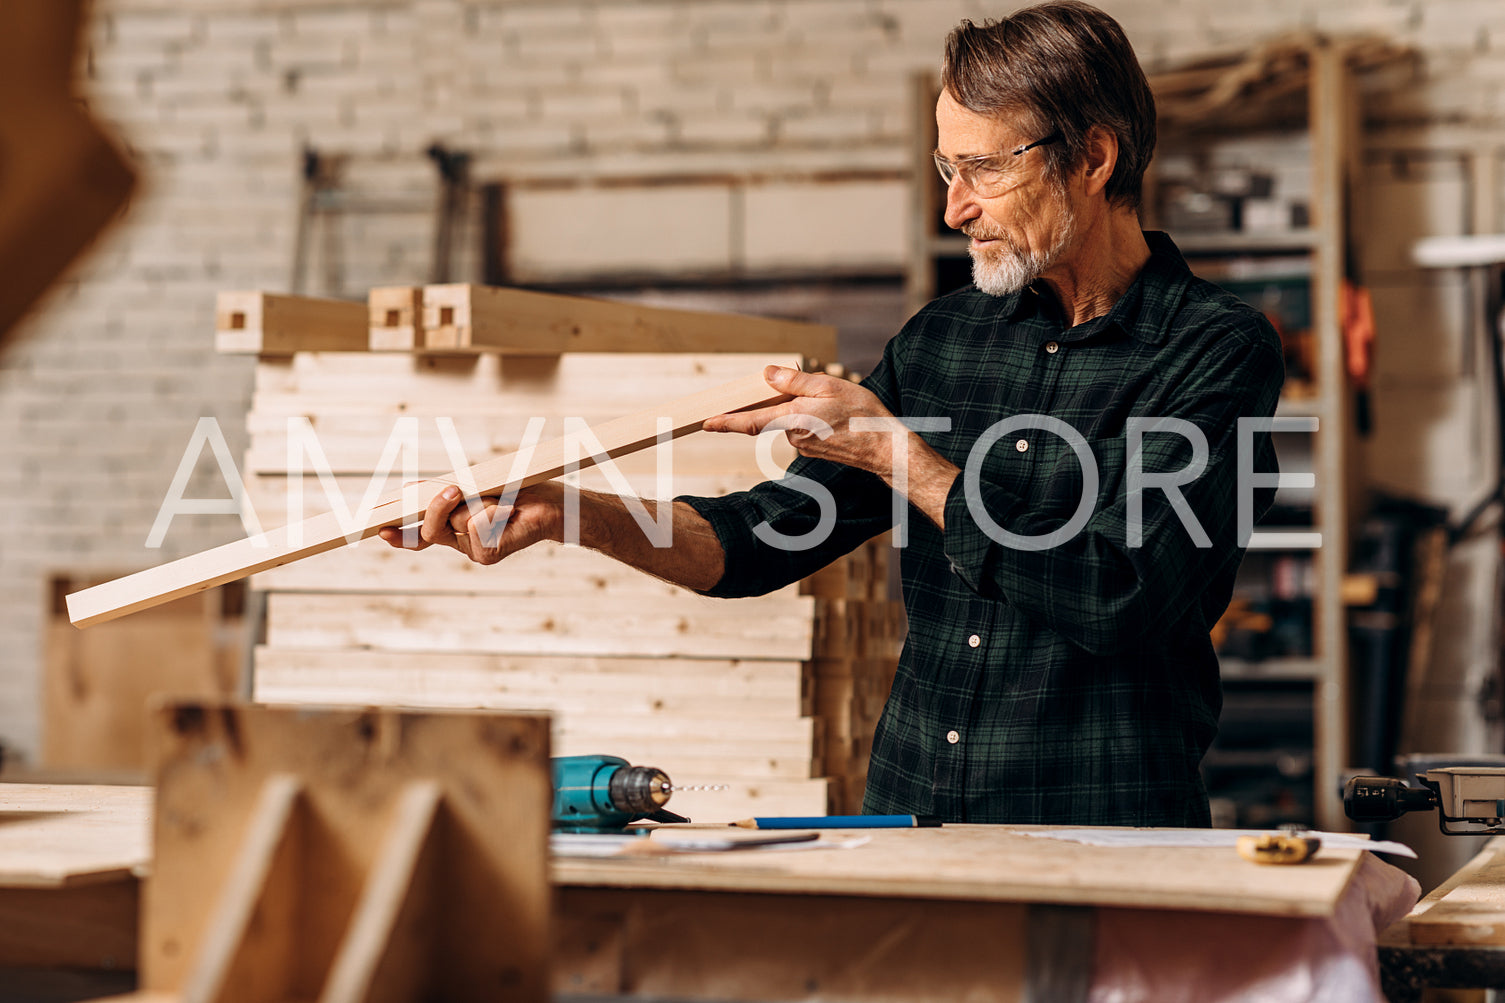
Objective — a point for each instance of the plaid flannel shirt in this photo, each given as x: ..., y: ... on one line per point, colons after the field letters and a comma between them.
x: 1073, y: 683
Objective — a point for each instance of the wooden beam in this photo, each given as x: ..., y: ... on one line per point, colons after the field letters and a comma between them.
x: 259, y: 323
x: 469, y: 318
x: 64, y: 178
x: 548, y: 460
x: 249, y: 945
x: 395, y: 318
x: 388, y: 946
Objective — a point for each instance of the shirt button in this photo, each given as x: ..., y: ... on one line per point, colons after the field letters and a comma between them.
x: 1022, y: 445
x: 953, y: 737
x: 973, y: 641
x: 1052, y: 347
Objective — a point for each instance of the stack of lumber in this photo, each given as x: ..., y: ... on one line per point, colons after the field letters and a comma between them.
x: 773, y: 697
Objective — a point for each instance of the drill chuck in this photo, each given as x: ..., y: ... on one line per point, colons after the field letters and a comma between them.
x: 641, y: 790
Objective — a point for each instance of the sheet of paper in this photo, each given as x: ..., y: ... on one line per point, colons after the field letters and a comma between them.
x: 1213, y: 838
x: 666, y: 841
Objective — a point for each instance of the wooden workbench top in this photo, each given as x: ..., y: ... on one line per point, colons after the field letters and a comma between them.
x: 55, y: 836
x: 992, y: 863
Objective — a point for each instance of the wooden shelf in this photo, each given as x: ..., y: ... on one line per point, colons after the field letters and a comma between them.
x: 1286, y: 669
x: 1275, y: 242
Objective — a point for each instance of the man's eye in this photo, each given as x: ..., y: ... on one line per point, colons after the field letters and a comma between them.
x: 988, y: 170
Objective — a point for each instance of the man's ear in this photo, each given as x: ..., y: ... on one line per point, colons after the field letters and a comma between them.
x: 1099, y: 157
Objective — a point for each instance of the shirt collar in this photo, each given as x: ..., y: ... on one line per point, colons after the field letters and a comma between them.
x: 1143, y: 312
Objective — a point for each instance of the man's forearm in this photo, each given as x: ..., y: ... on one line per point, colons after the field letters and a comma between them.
x: 926, y: 480
x: 695, y: 559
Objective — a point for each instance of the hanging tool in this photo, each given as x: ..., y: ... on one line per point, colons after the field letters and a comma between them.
x: 606, y: 793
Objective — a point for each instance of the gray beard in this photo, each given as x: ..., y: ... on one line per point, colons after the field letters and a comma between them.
x: 1009, y: 268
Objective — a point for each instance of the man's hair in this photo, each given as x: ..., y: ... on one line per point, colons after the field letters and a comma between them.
x: 1060, y: 66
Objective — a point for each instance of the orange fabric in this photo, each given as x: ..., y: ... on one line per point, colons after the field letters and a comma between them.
x: 1357, y: 310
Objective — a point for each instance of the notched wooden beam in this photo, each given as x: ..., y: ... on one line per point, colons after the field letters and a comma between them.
x: 471, y: 318
x: 261, y: 323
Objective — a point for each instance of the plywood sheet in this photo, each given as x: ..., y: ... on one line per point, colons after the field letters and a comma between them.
x: 1469, y: 910
x: 1000, y: 863
x: 56, y: 836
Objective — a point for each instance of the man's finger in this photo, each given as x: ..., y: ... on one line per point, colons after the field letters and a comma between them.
x: 394, y: 536
x: 436, y: 517
x: 792, y: 381
x: 747, y: 422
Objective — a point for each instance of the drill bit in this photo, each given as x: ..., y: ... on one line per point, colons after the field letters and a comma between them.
x: 696, y: 787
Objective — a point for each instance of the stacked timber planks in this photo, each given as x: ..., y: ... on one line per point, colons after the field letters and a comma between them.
x: 773, y: 697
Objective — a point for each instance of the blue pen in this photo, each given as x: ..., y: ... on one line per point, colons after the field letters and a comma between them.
x: 842, y: 822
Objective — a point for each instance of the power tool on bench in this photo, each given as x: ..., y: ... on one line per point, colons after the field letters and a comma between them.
x: 607, y: 793
x: 1470, y: 800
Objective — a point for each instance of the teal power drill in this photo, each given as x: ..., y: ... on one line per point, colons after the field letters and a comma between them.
x: 605, y: 793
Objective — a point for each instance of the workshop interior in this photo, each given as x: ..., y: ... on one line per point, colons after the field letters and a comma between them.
x: 278, y: 274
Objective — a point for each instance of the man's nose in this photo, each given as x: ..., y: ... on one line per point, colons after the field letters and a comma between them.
x: 961, y: 204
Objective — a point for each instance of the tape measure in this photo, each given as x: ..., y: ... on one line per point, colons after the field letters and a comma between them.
x: 1279, y: 847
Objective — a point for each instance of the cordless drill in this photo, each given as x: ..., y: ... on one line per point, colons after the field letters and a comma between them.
x: 606, y: 793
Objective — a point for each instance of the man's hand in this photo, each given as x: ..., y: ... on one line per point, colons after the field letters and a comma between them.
x: 819, y: 421
x: 493, y: 532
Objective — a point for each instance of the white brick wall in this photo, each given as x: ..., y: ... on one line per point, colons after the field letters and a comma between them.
x: 98, y: 397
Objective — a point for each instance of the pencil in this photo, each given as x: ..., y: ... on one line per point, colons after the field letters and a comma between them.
x: 842, y: 822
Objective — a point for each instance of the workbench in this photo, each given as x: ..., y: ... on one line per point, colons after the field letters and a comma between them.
x: 959, y: 912
x: 1455, y: 937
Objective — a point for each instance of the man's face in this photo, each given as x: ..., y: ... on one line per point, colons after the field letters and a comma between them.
x: 1020, y: 233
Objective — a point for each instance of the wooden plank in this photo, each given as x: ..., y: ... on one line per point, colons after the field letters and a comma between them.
x: 262, y: 323
x: 394, y: 384
x: 390, y: 941
x: 688, y: 626
x: 1471, y: 911
x: 353, y: 447
x: 713, y: 688
x: 271, y: 498
x: 743, y: 797
x: 90, y: 926
x: 1398, y: 934
x: 731, y: 947
x: 54, y: 836
x: 545, y: 569
x: 395, y: 318
x: 1004, y: 864
x: 683, y: 764
x: 234, y: 561
x: 247, y: 949
x: 470, y: 318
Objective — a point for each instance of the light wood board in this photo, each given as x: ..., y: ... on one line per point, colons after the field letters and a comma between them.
x: 56, y: 836
x: 999, y: 863
x: 1469, y: 908
x: 684, y: 626
x: 462, y: 318
x: 237, y: 560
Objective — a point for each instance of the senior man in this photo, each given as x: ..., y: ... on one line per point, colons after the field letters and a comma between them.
x: 1058, y: 667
